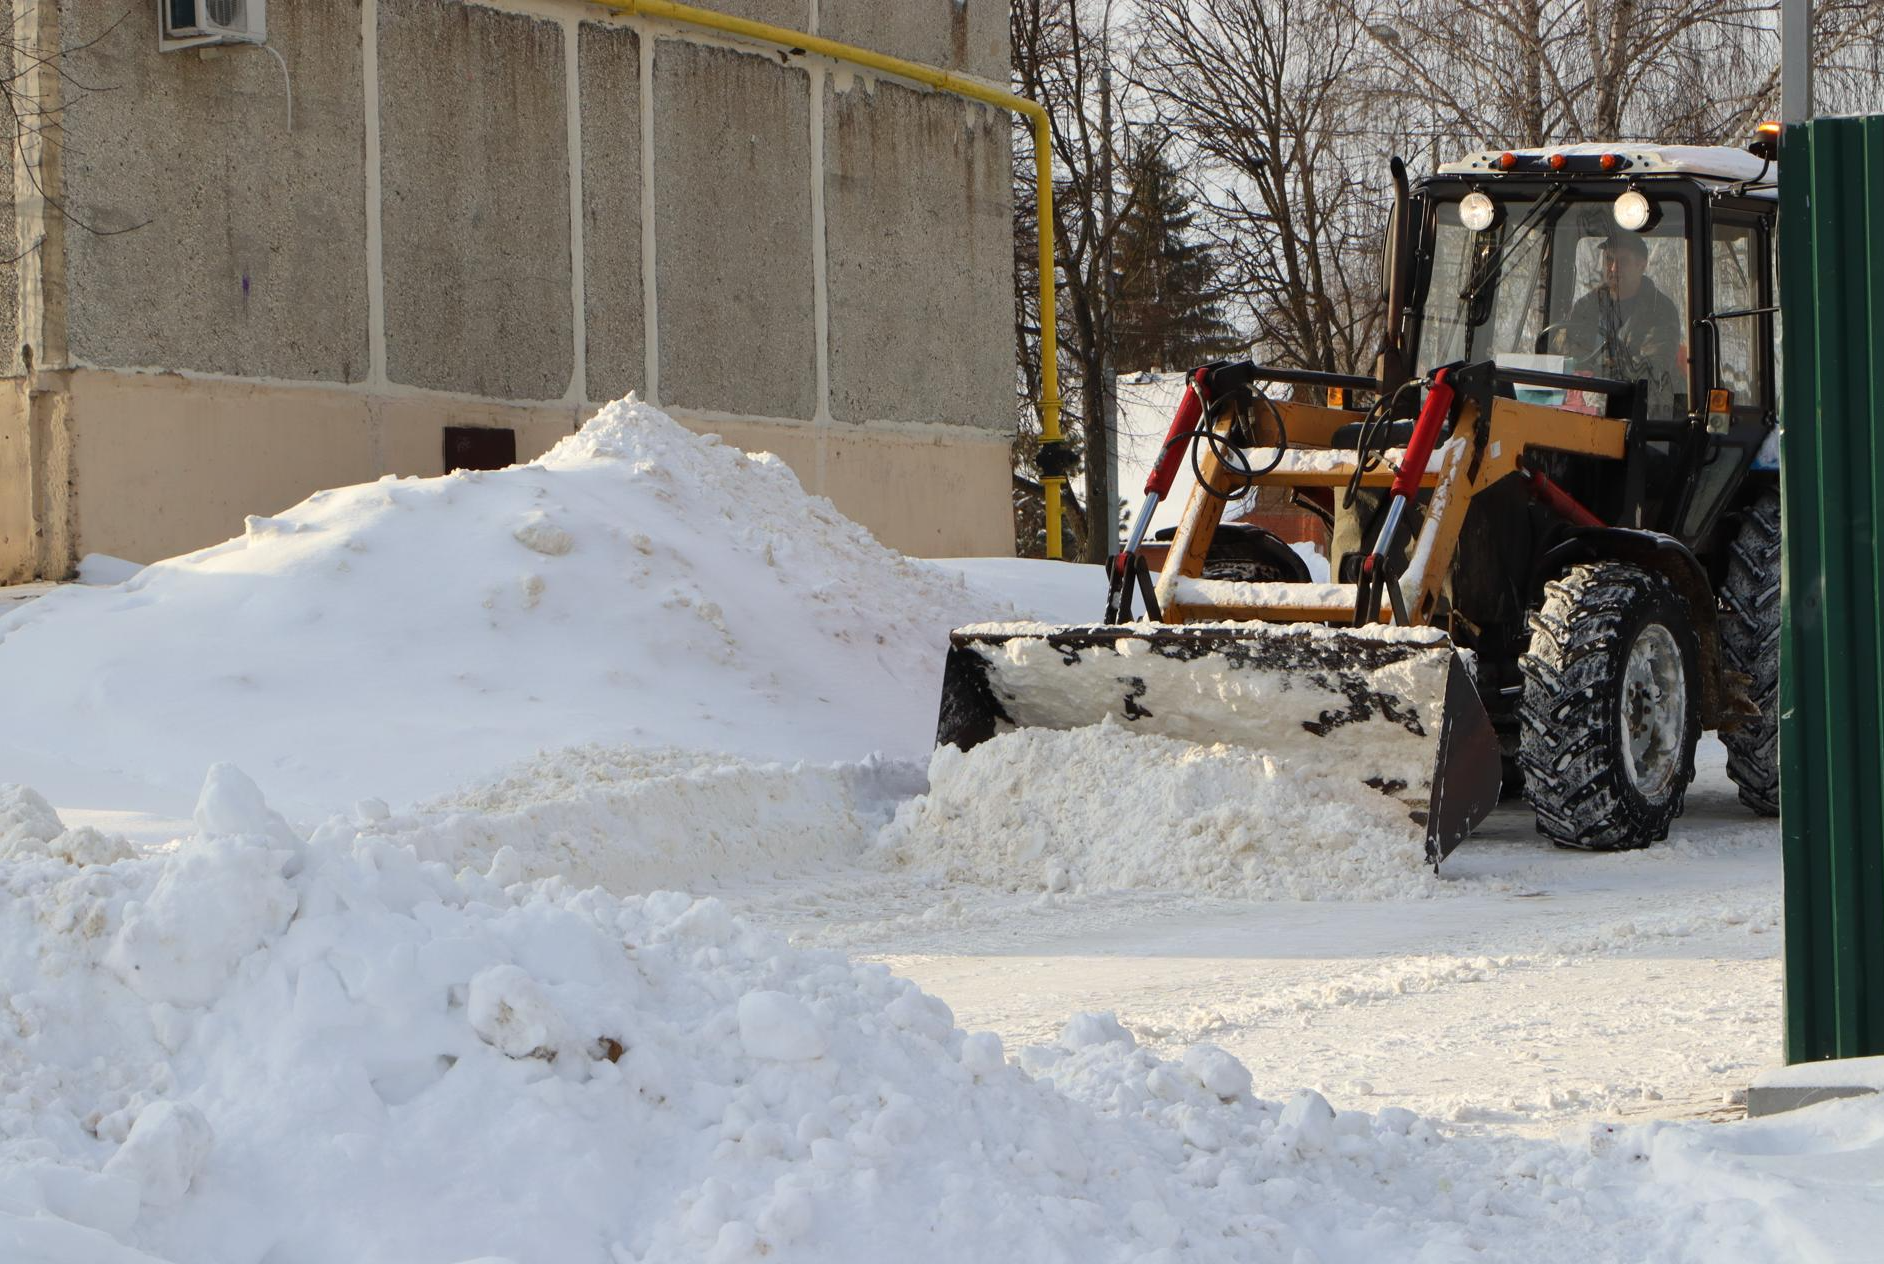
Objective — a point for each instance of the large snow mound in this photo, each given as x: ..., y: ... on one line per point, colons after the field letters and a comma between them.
x: 260, y: 1046
x: 1107, y: 807
x: 638, y: 585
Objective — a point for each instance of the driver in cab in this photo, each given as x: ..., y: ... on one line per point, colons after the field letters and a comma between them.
x: 1626, y: 328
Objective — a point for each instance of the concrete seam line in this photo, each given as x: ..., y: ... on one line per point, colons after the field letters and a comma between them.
x: 578, y: 264
x: 376, y: 397
x: 37, y: 180
x: 650, y: 295
x: 375, y: 229
x: 820, y: 272
x: 378, y: 390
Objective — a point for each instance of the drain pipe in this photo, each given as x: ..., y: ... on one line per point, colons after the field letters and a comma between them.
x: 941, y: 81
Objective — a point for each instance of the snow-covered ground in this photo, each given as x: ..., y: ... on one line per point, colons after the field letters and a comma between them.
x: 1082, y: 996
x: 1526, y: 987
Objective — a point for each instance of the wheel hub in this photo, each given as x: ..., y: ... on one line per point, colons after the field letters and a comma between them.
x: 1654, y: 707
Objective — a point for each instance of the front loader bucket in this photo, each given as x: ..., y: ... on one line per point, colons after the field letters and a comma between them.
x: 1394, y: 704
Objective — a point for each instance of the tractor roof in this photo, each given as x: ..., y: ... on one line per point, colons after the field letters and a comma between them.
x: 1716, y: 162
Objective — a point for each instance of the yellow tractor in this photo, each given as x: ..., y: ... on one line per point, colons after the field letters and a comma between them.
x: 1553, y: 514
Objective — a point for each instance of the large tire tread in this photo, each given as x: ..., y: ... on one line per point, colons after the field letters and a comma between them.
x: 1569, y: 720
x: 1749, y: 636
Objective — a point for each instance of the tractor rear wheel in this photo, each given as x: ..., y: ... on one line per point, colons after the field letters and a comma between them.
x: 1749, y: 642
x: 1611, y: 711
x: 1251, y: 555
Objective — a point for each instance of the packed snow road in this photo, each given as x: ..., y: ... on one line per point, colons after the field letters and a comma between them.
x: 1535, y: 987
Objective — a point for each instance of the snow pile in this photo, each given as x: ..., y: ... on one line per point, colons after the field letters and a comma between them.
x: 1106, y: 807
x: 640, y: 820
x: 30, y: 829
x: 259, y: 1046
x: 638, y: 585
x: 242, y: 1036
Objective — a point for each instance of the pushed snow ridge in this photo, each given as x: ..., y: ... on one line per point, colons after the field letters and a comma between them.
x: 1104, y: 807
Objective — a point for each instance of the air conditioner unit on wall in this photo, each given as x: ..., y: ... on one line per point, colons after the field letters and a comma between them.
x: 194, y: 23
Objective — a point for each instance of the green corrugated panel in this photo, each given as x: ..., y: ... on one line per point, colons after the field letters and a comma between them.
x: 1831, y: 689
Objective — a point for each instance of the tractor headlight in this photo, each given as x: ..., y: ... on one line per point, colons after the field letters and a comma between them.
x: 1477, y: 212
x: 1633, y: 211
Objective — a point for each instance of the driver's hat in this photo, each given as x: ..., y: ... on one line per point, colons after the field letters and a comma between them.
x: 1631, y: 243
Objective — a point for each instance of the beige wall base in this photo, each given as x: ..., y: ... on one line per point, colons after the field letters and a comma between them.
x: 148, y: 465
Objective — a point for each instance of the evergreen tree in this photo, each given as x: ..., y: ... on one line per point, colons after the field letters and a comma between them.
x: 1167, y: 309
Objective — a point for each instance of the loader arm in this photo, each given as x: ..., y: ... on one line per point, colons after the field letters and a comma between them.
x: 1490, y: 437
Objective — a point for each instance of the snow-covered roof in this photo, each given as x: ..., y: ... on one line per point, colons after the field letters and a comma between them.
x: 1720, y: 162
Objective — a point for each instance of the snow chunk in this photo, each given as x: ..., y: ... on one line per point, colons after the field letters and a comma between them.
x: 1082, y: 1030
x: 537, y: 533
x: 218, y: 899
x: 166, y: 1149
x: 1218, y: 1072
x: 103, y: 570
x: 231, y: 803
x: 1308, y: 1123
x: 982, y: 1054
x: 30, y: 827
x: 512, y: 1013
x: 25, y: 817
x: 640, y: 820
x: 779, y: 1028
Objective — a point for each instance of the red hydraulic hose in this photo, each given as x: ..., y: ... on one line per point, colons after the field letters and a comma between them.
x: 1171, y: 459
x: 1560, y: 500
x: 1419, y: 450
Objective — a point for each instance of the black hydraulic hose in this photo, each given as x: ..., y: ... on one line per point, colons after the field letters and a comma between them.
x: 1374, y: 427
x: 1225, y: 449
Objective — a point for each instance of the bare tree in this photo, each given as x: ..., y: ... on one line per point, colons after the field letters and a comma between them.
x: 1264, y: 96
x: 1060, y: 61
x: 1534, y: 72
x: 36, y: 87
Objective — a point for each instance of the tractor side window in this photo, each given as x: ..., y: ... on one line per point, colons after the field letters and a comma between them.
x: 1455, y: 253
x: 1737, y: 289
x: 1779, y: 341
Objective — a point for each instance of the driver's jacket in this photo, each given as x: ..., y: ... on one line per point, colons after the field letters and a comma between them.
x: 1628, y: 340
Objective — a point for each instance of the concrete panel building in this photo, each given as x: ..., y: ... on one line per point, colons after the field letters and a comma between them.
x: 241, y: 273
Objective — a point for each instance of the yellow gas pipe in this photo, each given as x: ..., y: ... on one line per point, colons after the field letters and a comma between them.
x: 944, y: 81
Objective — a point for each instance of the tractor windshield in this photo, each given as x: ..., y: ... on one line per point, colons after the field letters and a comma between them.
x: 1556, y: 284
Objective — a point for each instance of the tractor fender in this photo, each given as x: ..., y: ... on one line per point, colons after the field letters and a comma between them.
x: 1724, y: 702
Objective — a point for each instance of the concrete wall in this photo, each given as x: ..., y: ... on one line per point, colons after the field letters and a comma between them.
x: 504, y: 213
x: 615, y: 331
x: 912, y: 247
x: 733, y: 218
x: 231, y: 243
x: 474, y: 200
x: 964, y: 35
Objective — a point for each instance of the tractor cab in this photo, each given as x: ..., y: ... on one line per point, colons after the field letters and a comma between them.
x: 1649, y: 264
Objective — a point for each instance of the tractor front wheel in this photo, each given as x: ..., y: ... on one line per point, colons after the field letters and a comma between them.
x: 1611, y: 711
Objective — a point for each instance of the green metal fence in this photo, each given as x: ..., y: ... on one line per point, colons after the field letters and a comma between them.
x: 1831, y: 691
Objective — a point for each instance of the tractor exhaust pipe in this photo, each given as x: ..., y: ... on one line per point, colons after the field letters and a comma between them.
x: 1390, y: 367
